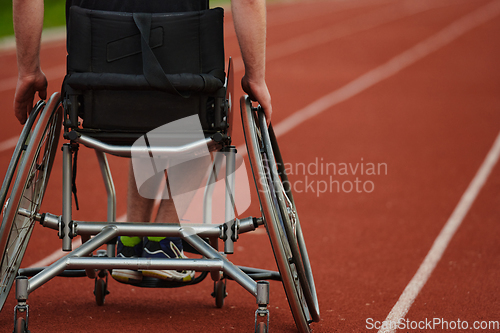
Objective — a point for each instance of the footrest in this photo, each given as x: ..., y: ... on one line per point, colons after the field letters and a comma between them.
x: 151, y: 282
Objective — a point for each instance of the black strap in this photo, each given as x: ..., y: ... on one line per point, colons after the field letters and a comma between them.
x: 153, y: 72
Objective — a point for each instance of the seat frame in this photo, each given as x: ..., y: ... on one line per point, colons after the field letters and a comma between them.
x: 201, y: 237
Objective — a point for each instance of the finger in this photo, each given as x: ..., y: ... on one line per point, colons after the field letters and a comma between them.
x: 268, y: 116
x: 43, y: 93
x: 267, y: 107
x: 29, y: 106
x: 20, y: 112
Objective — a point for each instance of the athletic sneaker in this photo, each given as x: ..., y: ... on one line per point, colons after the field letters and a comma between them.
x: 169, y: 247
x: 128, y: 247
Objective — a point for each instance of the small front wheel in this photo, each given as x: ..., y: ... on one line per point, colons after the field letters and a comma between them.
x: 20, y: 326
x: 100, y: 291
x: 261, y: 328
x: 219, y: 293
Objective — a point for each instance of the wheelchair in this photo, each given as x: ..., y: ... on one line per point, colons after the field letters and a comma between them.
x: 90, y: 110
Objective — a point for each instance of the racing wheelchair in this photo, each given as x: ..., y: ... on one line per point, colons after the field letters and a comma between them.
x: 98, y: 109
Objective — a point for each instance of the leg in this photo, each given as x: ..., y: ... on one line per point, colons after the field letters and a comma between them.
x: 166, y: 247
x: 138, y: 208
x: 167, y: 212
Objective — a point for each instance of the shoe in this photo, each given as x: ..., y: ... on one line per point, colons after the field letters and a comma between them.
x: 170, y: 247
x: 128, y: 251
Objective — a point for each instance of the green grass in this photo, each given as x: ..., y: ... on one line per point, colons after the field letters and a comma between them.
x: 54, y: 15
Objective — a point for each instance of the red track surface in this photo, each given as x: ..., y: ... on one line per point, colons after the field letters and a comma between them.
x: 432, y: 124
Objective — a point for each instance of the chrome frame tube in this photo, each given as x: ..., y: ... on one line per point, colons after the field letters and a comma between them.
x: 229, y: 179
x: 108, y: 233
x: 157, y: 229
x: 144, y: 263
x: 229, y: 268
x: 66, y: 198
x: 108, y: 184
x: 209, y: 189
x: 229, y: 215
x: 126, y: 151
x: 105, y: 231
x: 215, y: 261
x: 111, y: 194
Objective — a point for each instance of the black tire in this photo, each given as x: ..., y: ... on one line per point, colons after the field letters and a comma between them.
x: 100, y: 291
x: 23, y: 204
x: 281, y: 219
x: 18, y: 151
x: 20, y: 326
x: 219, y: 293
x: 261, y: 328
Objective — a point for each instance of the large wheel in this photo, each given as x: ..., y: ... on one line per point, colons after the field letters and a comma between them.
x: 18, y: 151
x: 280, y: 217
x: 37, y: 154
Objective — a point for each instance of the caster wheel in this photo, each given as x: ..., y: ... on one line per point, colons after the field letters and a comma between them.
x: 261, y: 328
x: 219, y: 293
x: 100, y: 291
x: 20, y: 326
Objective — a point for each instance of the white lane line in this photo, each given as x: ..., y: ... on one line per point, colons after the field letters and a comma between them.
x: 416, y: 284
x: 393, y: 66
x: 425, y: 270
x: 363, y: 22
x: 9, y: 143
x: 55, y: 255
x: 290, y: 15
x: 60, y: 253
x: 8, y: 84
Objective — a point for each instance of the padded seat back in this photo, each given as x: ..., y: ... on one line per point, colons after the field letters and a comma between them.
x: 135, y: 65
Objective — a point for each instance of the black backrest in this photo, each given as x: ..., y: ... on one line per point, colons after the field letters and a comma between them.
x: 113, y: 84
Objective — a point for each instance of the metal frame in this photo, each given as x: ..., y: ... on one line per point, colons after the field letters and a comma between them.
x: 31, y: 163
x: 105, y: 232
x: 193, y: 234
x: 286, y: 250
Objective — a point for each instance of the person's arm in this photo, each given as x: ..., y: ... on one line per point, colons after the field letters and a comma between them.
x: 249, y: 18
x: 28, y: 25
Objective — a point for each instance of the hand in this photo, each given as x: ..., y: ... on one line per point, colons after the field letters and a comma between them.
x: 26, y: 88
x: 258, y: 92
